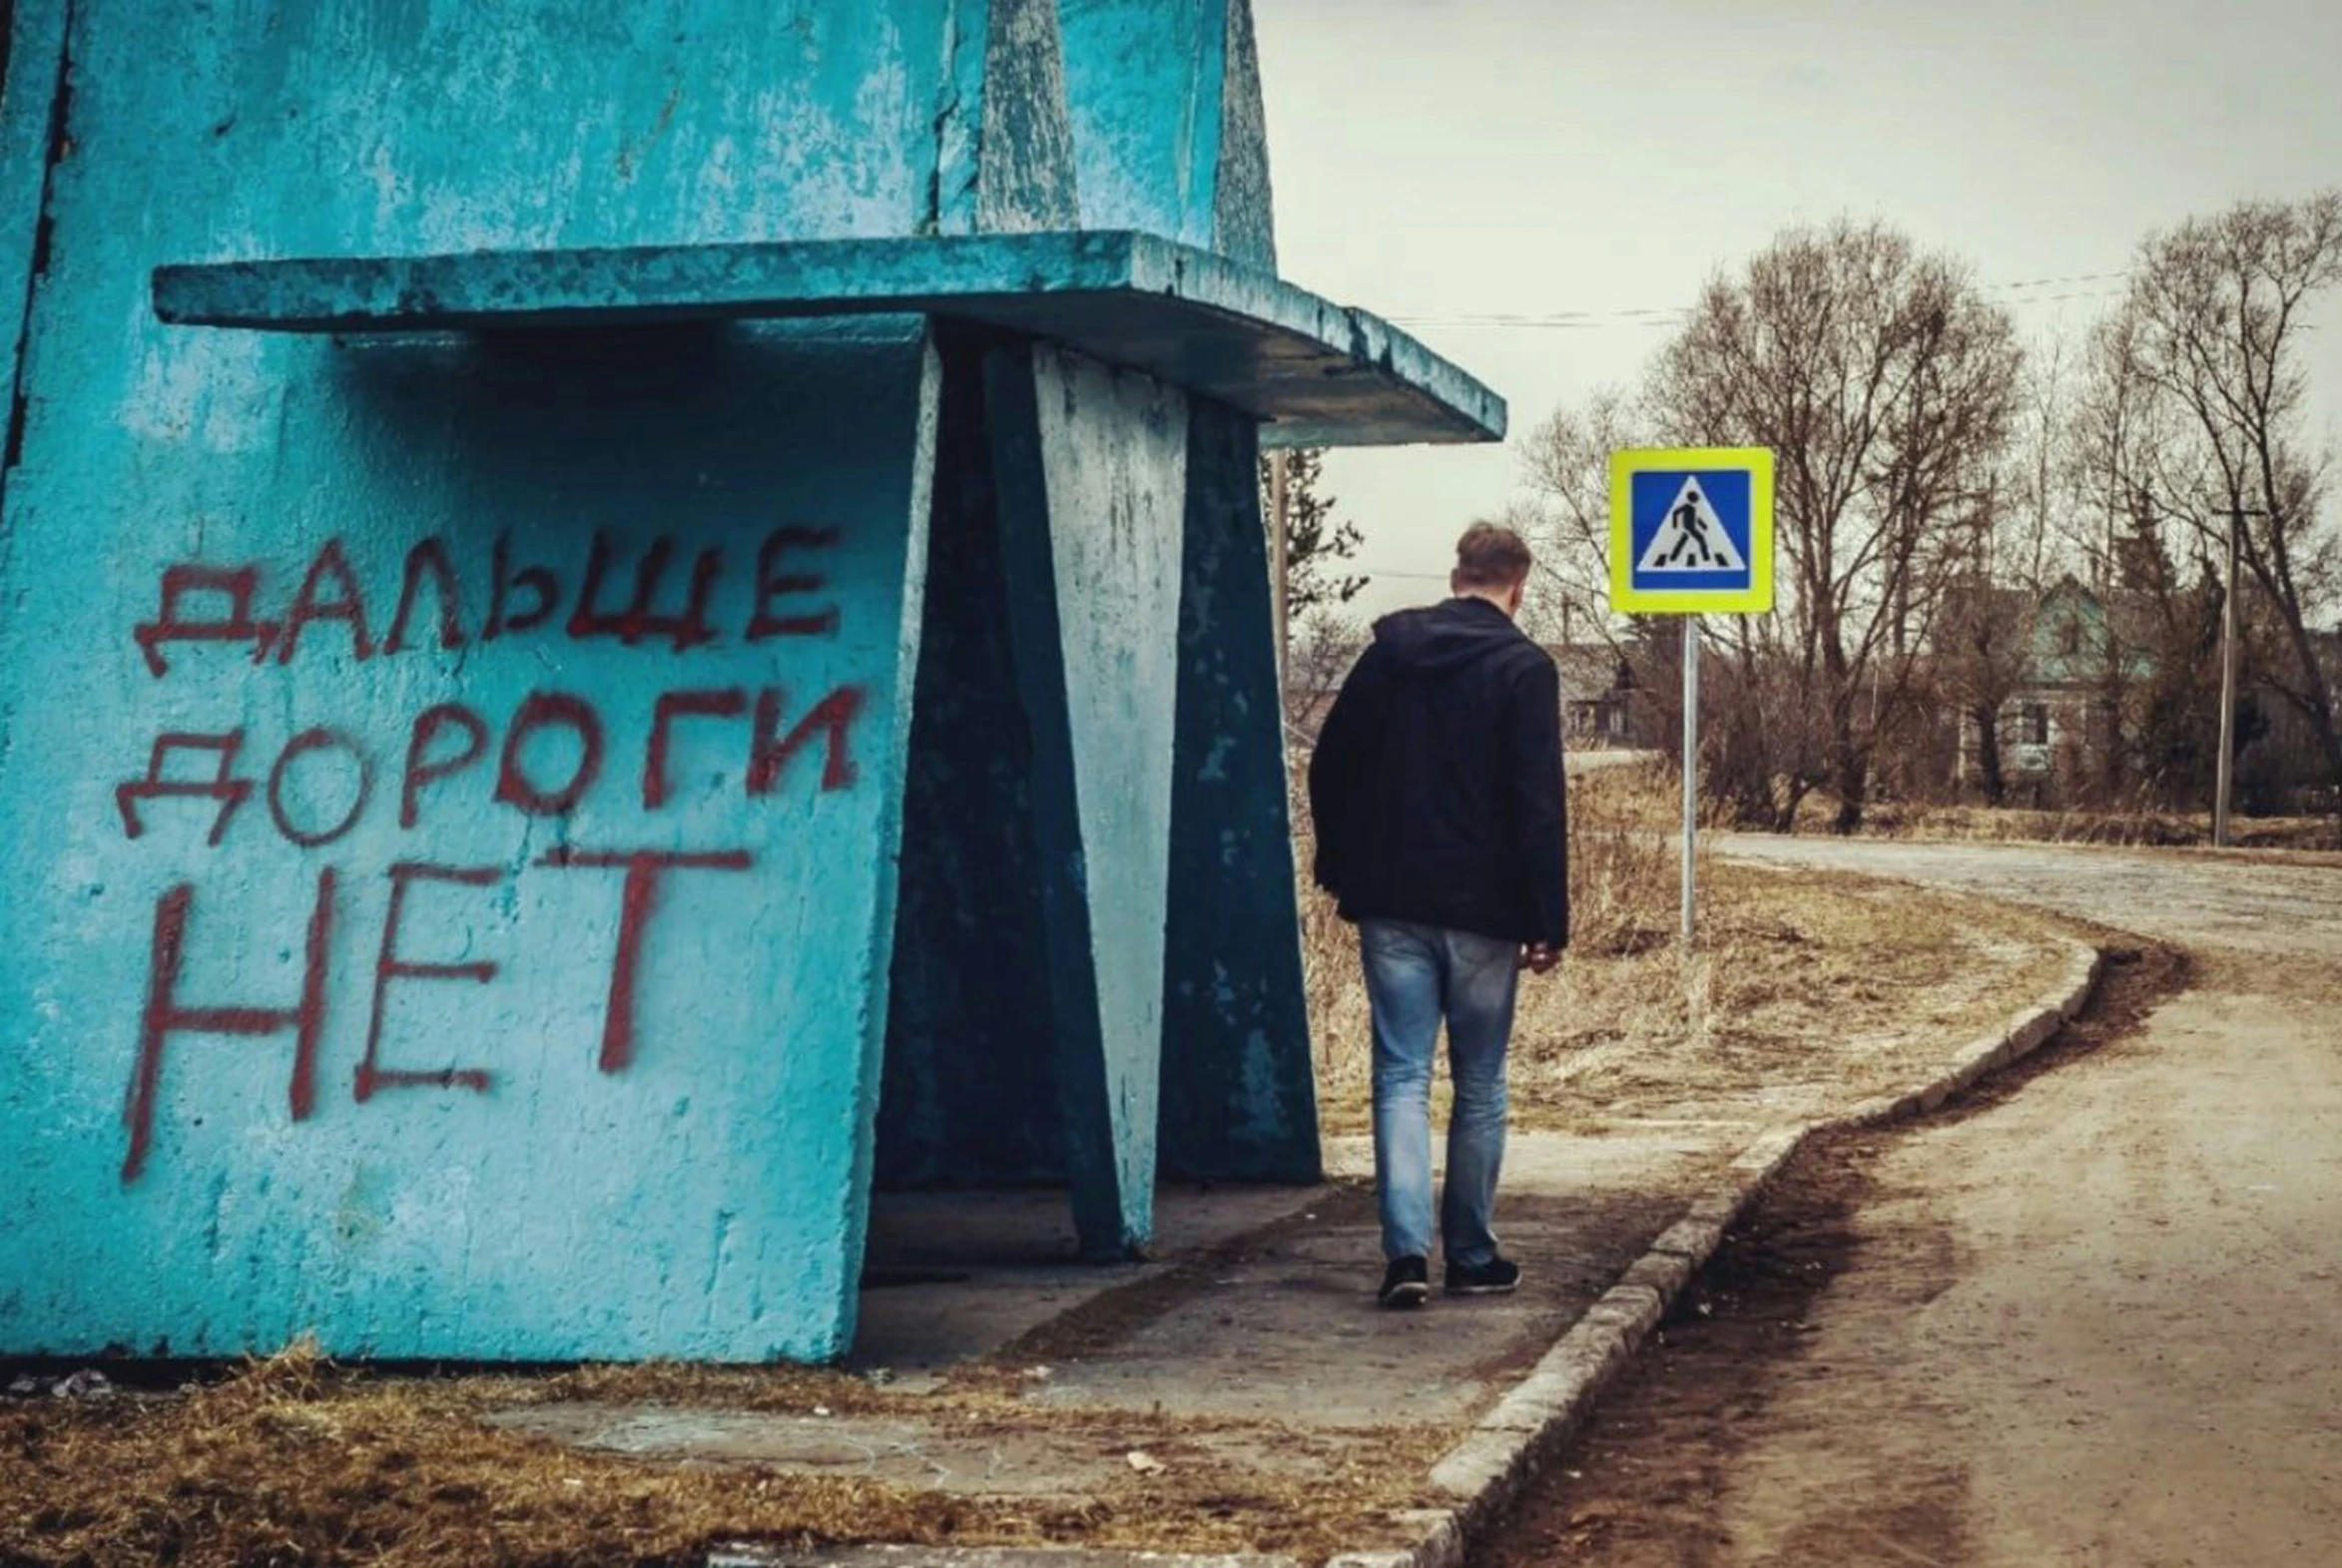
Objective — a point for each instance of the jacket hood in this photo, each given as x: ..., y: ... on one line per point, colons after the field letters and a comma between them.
x: 1444, y: 637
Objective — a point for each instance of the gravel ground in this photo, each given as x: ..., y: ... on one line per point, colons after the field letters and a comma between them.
x: 2088, y: 1321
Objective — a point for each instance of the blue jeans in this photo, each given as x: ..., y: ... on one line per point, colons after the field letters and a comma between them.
x: 1415, y: 975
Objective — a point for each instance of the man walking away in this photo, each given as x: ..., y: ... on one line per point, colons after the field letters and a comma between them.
x: 1437, y: 796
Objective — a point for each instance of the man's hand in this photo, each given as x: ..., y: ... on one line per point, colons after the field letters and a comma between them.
x: 1539, y: 957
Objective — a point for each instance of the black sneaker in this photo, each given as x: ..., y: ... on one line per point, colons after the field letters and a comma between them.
x: 1494, y: 1277
x: 1406, y: 1283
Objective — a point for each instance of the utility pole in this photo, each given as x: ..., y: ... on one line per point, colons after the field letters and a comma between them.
x: 1277, y: 564
x: 2224, y: 773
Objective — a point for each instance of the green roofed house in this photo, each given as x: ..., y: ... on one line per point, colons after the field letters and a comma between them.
x: 2106, y: 697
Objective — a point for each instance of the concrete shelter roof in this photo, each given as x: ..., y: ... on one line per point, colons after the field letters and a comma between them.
x: 1313, y: 372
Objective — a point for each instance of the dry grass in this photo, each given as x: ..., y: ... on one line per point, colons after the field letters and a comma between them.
x: 1809, y: 991
x: 292, y: 1460
x: 2018, y: 825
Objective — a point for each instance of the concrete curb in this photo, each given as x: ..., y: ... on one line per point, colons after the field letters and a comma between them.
x: 2025, y: 1032
x: 1484, y: 1472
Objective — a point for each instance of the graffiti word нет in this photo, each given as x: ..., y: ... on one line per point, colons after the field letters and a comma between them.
x: 167, y: 1013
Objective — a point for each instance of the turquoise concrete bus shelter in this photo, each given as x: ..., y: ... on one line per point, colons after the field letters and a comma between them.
x: 620, y: 621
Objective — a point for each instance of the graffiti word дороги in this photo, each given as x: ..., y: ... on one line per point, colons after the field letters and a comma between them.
x: 450, y: 739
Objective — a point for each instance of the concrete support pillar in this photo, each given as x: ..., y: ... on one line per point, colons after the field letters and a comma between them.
x: 1239, y: 1098
x: 1091, y: 470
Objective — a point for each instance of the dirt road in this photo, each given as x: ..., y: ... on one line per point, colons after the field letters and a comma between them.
x: 2097, y: 1321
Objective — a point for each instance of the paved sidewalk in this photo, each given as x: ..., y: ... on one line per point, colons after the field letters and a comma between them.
x: 1258, y: 1309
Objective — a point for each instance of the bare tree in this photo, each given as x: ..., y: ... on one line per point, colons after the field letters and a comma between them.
x: 2012, y: 551
x: 2129, y: 449
x: 1319, y: 546
x: 2207, y: 346
x: 1328, y: 644
x: 1984, y: 638
x: 1567, y: 469
x: 1882, y: 379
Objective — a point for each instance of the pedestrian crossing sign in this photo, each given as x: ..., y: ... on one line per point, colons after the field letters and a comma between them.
x: 1692, y: 530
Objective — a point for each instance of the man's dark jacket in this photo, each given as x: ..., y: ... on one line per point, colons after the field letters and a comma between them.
x: 1436, y: 782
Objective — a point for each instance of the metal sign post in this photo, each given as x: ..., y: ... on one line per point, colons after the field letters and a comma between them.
x: 1691, y: 534
x: 1690, y: 773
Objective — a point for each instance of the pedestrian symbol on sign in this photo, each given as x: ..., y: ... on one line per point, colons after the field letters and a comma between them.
x: 1691, y: 531
x: 1692, y: 539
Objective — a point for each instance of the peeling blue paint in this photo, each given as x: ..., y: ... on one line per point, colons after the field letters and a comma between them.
x: 1164, y: 98
x: 512, y: 832
x: 548, y: 1211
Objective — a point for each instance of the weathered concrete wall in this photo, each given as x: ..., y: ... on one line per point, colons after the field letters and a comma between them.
x: 970, y: 1092
x: 1239, y: 1095
x: 528, y: 1001
x: 452, y: 785
x: 1165, y: 103
x: 1242, y: 210
x: 1164, y: 99
x: 455, y: 783
x: 1112, y: 448
x: 1006, y: 153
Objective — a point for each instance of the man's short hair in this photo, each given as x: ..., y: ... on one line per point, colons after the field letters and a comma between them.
x: 1491, y: 556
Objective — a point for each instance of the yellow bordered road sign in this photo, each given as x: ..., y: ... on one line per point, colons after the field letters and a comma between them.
x: 1692, y: 530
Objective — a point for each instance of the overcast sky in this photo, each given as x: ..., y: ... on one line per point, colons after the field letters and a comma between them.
x: 1442, y: 158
